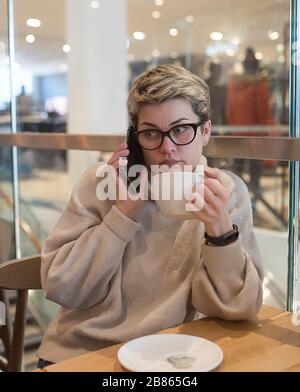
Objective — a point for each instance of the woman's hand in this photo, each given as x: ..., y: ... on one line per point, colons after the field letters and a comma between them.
x: 213, y: 198
x: 127, y: 203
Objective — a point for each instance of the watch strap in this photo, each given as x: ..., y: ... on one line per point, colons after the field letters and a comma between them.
x: 225, y: 239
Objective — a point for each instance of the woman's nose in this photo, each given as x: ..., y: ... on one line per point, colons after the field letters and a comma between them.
x: 167, y: 146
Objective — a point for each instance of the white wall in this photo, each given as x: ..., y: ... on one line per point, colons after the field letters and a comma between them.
x: 97, y: 73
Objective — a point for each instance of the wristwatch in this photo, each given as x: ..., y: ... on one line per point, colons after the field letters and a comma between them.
x: 225, y: 239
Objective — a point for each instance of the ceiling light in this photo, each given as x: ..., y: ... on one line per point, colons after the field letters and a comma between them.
x: 281, y: 59
x: 31, y: 22
x: 30, y: 38
x: 155, y: 53
x: 258, y: 56
x: 159, y: 2
x: 173, y: 32
x: 280, y: 47
x: 189, y: 18
x: 273, y: 35
x: 66, y: 48
x: 139, y: 35
x: 95, y: 4
x: 155, y: 14
x: 216, y: 36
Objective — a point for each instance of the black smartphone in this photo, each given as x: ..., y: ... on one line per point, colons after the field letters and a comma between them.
x: 135, y: 156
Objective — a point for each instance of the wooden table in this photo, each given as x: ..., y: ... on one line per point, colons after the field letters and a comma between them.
x: 270, y: 342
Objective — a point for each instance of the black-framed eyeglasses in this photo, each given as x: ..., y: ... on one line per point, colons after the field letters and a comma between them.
x: 181, y: 135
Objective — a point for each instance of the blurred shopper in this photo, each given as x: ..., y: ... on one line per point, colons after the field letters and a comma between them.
x: 217, y: 94
x: 24, y: 102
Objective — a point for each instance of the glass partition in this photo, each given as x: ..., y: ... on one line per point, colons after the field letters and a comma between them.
x: 41, y: 68
x: 7, y: 242
x: 268, y: 185
x: 7, y: 249
x: 241, y: 49
x: 46, y: 190
x: 4, y: 70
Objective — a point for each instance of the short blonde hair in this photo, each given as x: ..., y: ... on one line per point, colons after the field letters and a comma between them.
x: 166, y: 82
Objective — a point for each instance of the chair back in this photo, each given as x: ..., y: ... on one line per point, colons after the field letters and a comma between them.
x: 21, y: 275
x: 5, y: 248
x: 5, y: 239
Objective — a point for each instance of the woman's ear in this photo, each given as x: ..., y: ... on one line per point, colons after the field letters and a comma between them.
x: 206, y: 132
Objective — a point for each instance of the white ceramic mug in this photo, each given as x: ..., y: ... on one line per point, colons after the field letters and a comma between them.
x: 171, y: 191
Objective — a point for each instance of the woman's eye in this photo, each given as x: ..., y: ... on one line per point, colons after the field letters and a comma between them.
x: 180, y: 130
x: 151, y: 134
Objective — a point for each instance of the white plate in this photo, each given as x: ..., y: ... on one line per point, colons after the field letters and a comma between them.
x: 170, y: 353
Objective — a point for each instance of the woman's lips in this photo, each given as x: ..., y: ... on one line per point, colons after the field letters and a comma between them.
x: 170, y: 162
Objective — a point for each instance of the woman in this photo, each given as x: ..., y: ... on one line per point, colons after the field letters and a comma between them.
x: 120, y: 269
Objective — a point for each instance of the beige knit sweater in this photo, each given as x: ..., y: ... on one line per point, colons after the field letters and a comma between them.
x: 117, y: 279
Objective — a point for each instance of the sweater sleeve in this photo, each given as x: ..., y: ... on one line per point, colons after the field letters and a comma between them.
x: 85, y: 249
x: 228, y: 280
